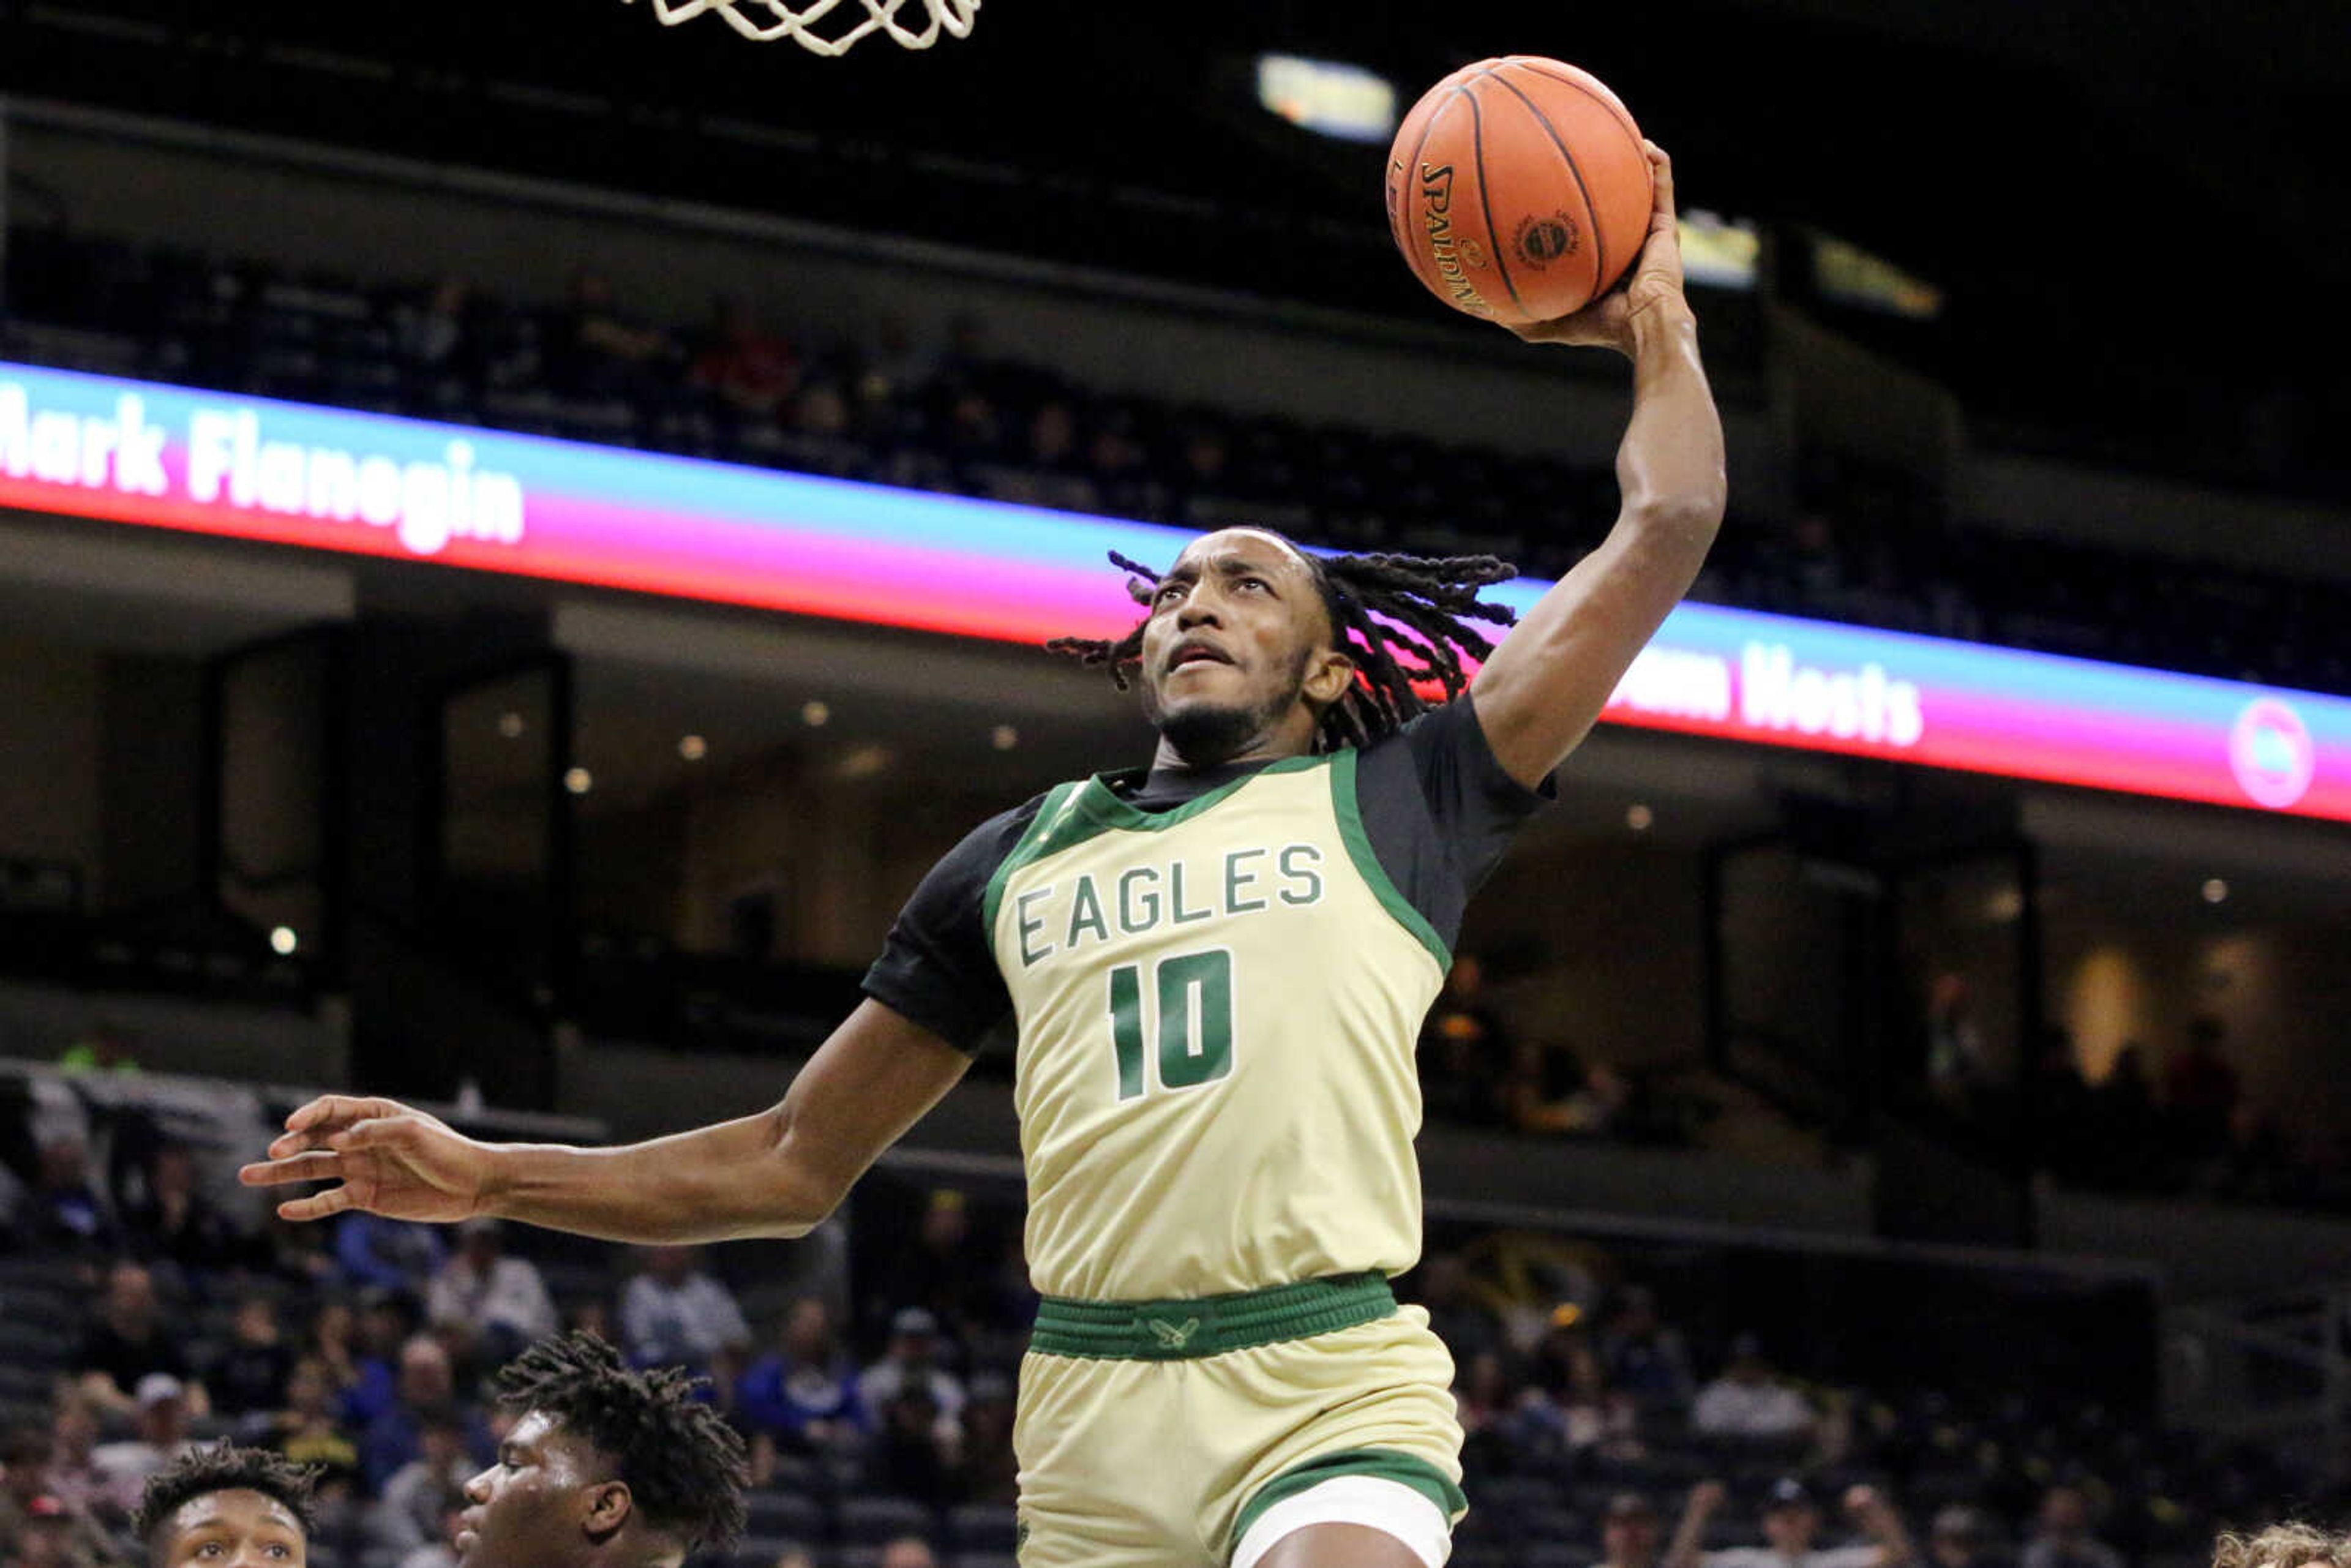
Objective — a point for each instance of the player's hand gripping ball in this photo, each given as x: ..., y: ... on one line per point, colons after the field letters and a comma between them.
x: 1520, y: 190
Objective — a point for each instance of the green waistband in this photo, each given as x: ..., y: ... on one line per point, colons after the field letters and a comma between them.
x: 1183, y: 1329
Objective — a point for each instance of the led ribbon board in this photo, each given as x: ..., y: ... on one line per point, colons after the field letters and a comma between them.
x: 159, y: 456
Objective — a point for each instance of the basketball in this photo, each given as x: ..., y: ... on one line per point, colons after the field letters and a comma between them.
x: 1518, y: 189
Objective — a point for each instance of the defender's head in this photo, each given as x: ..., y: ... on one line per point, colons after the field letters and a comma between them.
x: 605, y: 1465
x: 1237, y: 650
x: 226, y: 1508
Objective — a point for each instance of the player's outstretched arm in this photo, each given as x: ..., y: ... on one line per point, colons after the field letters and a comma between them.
x: 776, y: 1174
x: 1544, y: 689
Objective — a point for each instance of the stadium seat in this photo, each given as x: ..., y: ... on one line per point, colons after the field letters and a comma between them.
x: 761, y: 1551
x: 784, y: 1513
x: 871, y: 1520
x: 982, y: 1527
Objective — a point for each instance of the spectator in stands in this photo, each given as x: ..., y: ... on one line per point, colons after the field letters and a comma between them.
x: 427, y: 1394
x: 332, y: 1338
x: 1645, y: 1358
x: 63, y: 1216
x: 309, y: 1430
x: 172, y: 1222
x: 45, y: 1540
x: 416, y: 1501
x: 441, y: 1552
x: 802, y: 1396
x: 27, y: 1494
x: 750, y: 369
x: 1629, y: 1535
x: 672, y: 1313
x: 1466, y: 1325
x: 914, y: 1453
x: 252, y: 1373
x: 1791, y: 1525
x: 105, y: 1048
x: 1465, y: 1048
x: 1958, y: 1068
x: 301, y: 1255
x: 912, y: 1362
x: 376, y: 1253
x: 2201, y: 1089
x: 74, y: 1431
x: 386, y: 1322
x: 159, y: 1437
x: 1546, y: 1090
x: 907, y: 1551
x: 991, y: 1472
x: 485, y: 1301
x: 944, y: 1268
x: 603, y: 351
x: 1961, y: 1537
x: 432, y: 338
x: 1750, y: 1401
x: 127, y: 1343
x: 2062, y: 1539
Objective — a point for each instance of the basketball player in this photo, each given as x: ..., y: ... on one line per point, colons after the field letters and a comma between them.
x: 1218, y: 965
x: 226, y: 1508
x: 604, y: 1466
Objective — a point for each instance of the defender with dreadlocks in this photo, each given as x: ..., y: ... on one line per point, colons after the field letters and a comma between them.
x: 1217, y: 968
x: 224, y: 1507
x: 603, y: 1468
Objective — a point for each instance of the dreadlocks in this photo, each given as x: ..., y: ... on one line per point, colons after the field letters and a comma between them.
x: 681, y: 1461
x: 200, y: 1472
x: 1402, y: 619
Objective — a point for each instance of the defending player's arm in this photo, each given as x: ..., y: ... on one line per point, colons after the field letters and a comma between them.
x: 775, y: 1174
x: 1544, y: 688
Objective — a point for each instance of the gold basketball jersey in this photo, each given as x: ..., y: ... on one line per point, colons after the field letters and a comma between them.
x: 1218, y: 1008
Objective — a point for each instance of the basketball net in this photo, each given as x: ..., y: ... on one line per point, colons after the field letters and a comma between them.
x: 767, y: 20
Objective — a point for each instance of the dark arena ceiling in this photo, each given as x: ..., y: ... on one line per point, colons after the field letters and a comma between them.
x: 2091, y: 181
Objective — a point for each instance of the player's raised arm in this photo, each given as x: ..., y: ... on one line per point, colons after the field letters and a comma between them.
x: 776, y: 1174
x: 1544, y: 689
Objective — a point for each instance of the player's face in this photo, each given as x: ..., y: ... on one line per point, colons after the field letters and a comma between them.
x: 237, y: 1529
x: 1237, y: 645
x: 531, y: 1509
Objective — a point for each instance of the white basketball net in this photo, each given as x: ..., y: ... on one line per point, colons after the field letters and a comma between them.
x: 767, y: 20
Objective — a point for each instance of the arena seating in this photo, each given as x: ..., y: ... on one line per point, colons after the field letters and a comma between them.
x: 1870, y: 547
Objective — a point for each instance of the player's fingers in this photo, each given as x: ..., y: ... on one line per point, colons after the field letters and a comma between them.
x: 316, y: 1165
x: 329, y: 1109
x: 318, y: 1206
x: 371, y: 1133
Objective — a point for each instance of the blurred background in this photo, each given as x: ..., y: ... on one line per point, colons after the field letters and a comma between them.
x: 1800, y: 1117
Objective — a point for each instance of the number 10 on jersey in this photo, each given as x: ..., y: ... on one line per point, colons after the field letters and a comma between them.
x: 1193, y: 1000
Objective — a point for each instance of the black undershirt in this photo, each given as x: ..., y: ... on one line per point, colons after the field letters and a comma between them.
x: 1437, y: 807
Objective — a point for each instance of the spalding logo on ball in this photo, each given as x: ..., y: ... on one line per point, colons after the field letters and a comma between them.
x: 1518, y: 190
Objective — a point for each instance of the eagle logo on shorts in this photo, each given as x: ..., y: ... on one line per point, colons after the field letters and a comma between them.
x: 1172, y: 1336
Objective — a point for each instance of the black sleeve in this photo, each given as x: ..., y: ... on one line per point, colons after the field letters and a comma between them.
x: 937, y: 967
x: 1440, y: 810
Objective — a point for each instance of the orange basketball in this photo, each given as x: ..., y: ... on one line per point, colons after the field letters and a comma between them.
x: 1518, y: 189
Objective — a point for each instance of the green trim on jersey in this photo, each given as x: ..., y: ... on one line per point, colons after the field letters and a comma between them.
x: 1367, y: 862
x: 1097, y: 799
x: 1033, y: 843
x: 1386, y: 1464
x: 1188, y: 1328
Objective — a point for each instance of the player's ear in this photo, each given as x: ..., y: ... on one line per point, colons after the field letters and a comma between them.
x: 608, y: 1507
x: 1328, y: 676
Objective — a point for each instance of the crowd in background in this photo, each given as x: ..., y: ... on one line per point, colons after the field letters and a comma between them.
x: 139, y: 1315
x: 879, y: 401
